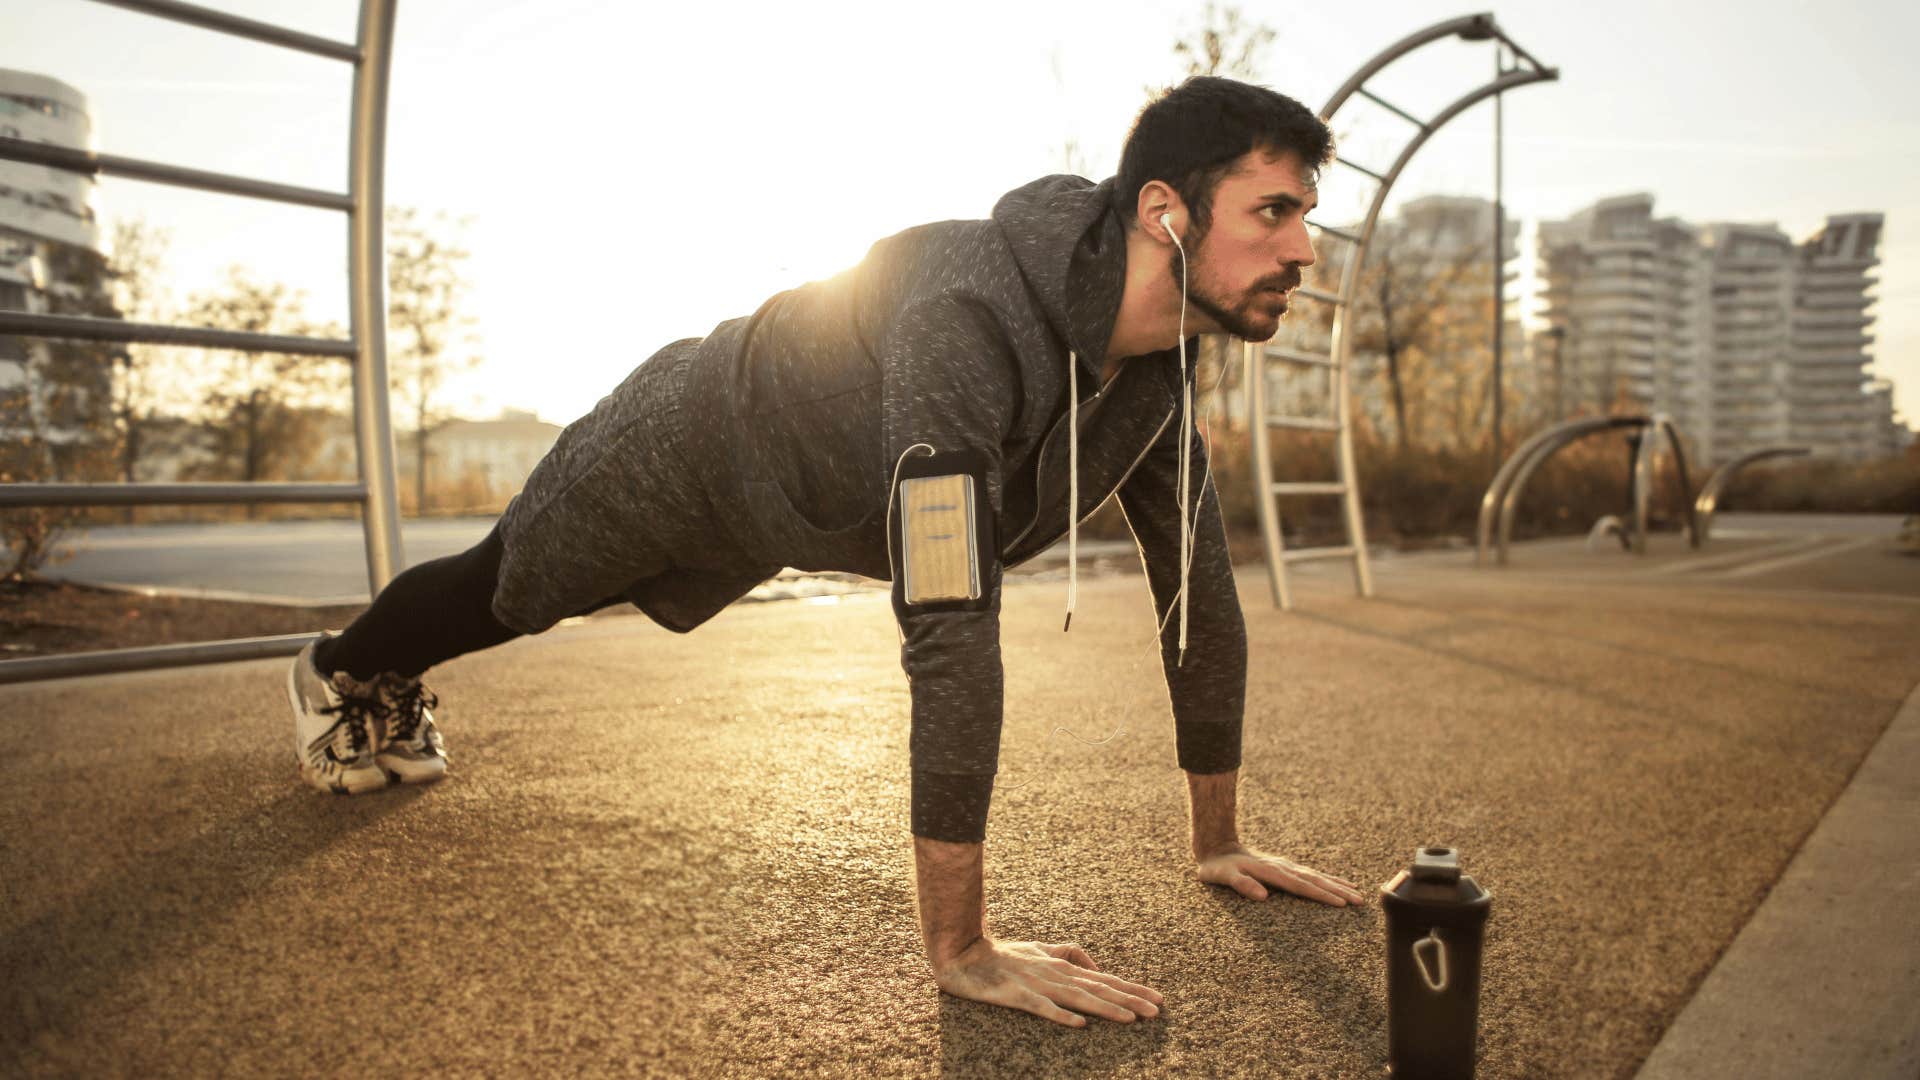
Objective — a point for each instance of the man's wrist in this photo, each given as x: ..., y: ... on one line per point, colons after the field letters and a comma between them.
x: 1211, y: 798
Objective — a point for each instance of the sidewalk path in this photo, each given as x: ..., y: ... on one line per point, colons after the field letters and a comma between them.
x: 663, y: 854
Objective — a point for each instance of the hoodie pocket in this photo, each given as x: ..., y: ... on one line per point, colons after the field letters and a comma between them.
x: 786, y: 536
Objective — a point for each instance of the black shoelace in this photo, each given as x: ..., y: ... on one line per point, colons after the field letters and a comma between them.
x: 408, y: 699
x: 356, y: 714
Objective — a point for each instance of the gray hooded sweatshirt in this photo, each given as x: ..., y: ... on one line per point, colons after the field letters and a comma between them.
x: 957, y: 335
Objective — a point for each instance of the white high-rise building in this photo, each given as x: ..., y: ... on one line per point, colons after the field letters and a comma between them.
x: 1833, y: 407
x: 1745, y: 338
x: 43, y: 211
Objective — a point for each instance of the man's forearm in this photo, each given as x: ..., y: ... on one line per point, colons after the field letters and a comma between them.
x: 1211, y: 798
x: 953, y: 908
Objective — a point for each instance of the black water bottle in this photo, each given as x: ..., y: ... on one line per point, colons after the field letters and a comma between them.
x: 1436, y: 920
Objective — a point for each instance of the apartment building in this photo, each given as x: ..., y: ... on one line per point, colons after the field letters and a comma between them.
x: 44, y: 214
x: 1747, y: 339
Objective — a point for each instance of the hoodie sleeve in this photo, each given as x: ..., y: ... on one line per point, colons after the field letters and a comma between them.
x: 1209, y: 690
x: 950, y: 384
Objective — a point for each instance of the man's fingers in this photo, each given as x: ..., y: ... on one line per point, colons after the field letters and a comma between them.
x: 1132, y: 1002
x: 1041, y: 1005
x: 1248, y: 886
x: 1086, y: 1000
x: 1299, y: 885
x: 1073, y: 954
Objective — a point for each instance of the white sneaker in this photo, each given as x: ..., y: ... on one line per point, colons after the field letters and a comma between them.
x: 333, y: 734
x: 410, y: 748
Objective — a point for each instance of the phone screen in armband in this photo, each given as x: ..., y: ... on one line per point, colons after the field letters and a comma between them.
x: 940, y: 556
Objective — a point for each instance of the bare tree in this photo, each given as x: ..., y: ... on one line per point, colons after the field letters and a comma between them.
x: 432, y: 334
x: 1415, y: 305
x: 139, y: 253
x: 258, y: 410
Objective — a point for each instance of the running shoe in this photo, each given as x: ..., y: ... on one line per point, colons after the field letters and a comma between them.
x: 334, y: 728
x: 410, y: 748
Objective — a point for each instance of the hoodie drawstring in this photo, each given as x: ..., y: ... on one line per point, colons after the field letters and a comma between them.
x: 1186, y: 473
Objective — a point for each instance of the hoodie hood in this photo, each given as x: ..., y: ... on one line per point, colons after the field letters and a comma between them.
x: 1070, y: 246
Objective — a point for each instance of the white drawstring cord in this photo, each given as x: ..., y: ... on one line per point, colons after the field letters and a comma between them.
x: 1073, y: 485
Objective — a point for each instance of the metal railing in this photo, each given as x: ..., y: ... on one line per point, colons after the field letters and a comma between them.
x: 1501, y: 503
x: 363, y: 203
x: 1255, y: 357
x: 1708, y: 503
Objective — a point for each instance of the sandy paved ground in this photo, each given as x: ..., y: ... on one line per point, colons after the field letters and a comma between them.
x: 664, y: 855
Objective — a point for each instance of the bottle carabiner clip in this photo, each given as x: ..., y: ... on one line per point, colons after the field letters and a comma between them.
x: 1438, y: 986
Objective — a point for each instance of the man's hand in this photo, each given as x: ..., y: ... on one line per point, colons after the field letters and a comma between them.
x: 1046, y: 980
x: 1249, y: 872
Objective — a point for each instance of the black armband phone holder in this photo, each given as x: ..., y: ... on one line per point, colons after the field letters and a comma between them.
x: 942, y: 534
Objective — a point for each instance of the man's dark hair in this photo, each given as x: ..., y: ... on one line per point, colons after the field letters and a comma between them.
x: 1192, y: 134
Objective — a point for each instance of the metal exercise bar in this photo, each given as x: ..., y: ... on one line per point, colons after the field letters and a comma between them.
x: 1510, y: 501
x: 1392, y: 108
x: 1650, y: 436
x: 1497, y: 490
x: 220, y: 21
x: 86, y: 161
x: 363, y: 204
x: 1473, y: 28
x: 367, y: 288
x: 177, y: 494
x: 1362, y: 169
x: 105, y: 662
x: 86, y: 328
x: 1709, y: 501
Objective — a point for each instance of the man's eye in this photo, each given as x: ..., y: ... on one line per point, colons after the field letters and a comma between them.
x: 1273, y: 211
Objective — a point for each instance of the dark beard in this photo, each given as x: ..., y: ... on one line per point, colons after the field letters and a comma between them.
x: 1237, y: 322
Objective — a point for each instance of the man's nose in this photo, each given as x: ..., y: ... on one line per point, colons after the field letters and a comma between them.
x: 1299, y: 249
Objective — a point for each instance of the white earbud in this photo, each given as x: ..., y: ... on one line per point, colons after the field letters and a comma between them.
x: 1166, y: 222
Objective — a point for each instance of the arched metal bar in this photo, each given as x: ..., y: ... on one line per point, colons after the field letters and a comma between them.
x: 1480, y: 27
x: 371, y: 55
x: 1709, y: 501
x: 1661, y: 425
x: 1570, y: 432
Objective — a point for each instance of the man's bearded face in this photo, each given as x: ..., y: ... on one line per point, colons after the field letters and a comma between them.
x: 1243, y: 267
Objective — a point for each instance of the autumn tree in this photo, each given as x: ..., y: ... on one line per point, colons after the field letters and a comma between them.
x: 429, y: 331
x: 145, y: 375
x: 260, y: 412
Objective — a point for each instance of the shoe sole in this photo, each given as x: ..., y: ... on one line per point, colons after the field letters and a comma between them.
x: 426, y: 774
x: 343, y: 786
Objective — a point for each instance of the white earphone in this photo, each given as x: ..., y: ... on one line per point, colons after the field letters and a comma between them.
x: 1166, y: 222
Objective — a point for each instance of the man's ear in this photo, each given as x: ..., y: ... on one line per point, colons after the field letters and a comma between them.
x: 1157, y: 198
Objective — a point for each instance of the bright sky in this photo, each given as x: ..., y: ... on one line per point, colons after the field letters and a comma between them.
x: 638, y: 172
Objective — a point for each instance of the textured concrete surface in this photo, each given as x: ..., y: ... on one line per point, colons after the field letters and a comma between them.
x: 664, y: 855
x: 1823, y: 979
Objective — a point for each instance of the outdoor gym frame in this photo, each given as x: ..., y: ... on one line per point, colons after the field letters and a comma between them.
x: 364, y: 206
x: 1470, y: 28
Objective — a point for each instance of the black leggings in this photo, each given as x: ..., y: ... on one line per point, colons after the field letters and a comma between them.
x: 432, y: 612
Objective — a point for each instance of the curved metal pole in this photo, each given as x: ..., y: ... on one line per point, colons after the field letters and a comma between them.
x: 1708, y: 503
x: 367, y: 291
x: 1490, y: 502
x: 1473, y: 24
x: 1662, y: 425
x: 1683, y: 483
x: 1572, y: 431
x: 1643, y: 481
x: 1342, y: 344
x: 1256, y: 377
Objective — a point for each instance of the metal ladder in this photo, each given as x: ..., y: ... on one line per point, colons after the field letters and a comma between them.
x: 362, y: 203
x: 1338, y: 358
